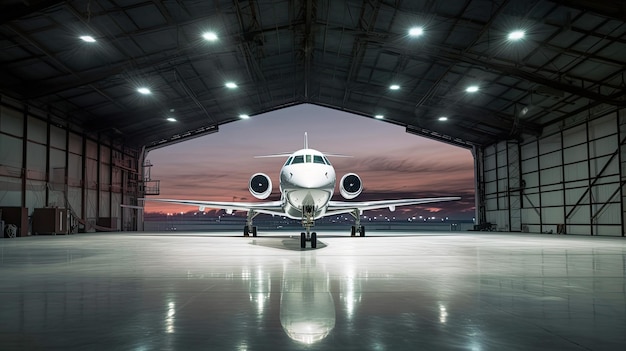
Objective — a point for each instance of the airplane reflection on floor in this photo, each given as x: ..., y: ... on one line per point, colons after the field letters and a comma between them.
x: 307, y: 308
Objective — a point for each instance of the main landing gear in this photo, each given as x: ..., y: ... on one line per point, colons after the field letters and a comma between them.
x: 360, y: 229
x: 357, y: 227
x: 249, y: 228
x: 247, y: 231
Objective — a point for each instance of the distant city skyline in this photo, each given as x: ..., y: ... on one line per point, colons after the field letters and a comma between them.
x: 392, y: 163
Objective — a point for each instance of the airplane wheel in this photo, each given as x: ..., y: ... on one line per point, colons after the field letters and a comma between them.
x: 302, y: 240
x: 313, y: 240
x: 246, y: 232
x: 353, y: 231
x: 362, y: 230
x: 254, y: 231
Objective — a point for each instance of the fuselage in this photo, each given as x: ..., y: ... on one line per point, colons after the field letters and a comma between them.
x: 307, y: 183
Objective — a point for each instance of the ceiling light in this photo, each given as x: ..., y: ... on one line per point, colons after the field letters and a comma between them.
x: 472, y: 89
x: 231, y: 85
x: 379, y: 116
x: 416, y: 31
x: 144, y: 91
x: 244, y: 116
x: 516, y: 35
x: 443, y: 118
x: 87, y: 38
x: 210, y: 36
x: 394, y: 87
x: 171, y: 119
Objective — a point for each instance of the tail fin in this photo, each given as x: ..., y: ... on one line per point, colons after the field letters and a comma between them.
x: 306, y: 141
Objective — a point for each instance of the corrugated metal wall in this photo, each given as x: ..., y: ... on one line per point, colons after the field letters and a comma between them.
x: 44, y: 163
x: 571, y: 176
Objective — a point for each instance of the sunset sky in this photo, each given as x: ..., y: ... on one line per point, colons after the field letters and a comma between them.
x: 391, y: 163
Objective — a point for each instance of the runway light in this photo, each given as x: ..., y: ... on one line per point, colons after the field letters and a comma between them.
x: 416, y: 31
x: 472, y: 89
x: 144, y: 91
x: 516, y: 35
x: 231, y: 85
x: 210, y: 36
x: 87, y: 38
x: 394, y: 87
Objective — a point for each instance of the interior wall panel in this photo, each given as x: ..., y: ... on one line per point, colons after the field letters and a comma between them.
x: 11, y: 121
x: 11, y: 159
x: 35, y: 195
x: 611, y: 230
x: 37, y: 130
x: 91, y: 173
x: 57, y: 137
x: 575, y: 171
x: 116, y: 202
x: 105, y: 176
x: 36, y: 160
x: 76, y: 144
x: 62, y: 168
x: 575, y: 136
x: 105, y: 205
x: 575, y: 195
x: 576, y: 153
x: 10, y: 191
x: 551, y: 176
x: 550, y: 143
x: 608, y: 214
x: 75, y: 198
x: 571, y: 176
x: 602, y: 147
x: 75, y: 170
x: 602, y: 126
x: 552, y: 198
x: 580, y: 214
x: 531, y: 180
x: 91, y: 205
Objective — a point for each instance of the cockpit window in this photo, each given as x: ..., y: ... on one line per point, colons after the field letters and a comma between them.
x: 326, y: 160
x: 318, y: 159
x: 308, y: 159
x: 298, y: 159
x: 288, y: 161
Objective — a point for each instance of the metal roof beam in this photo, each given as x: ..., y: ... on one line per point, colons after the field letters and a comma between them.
x: 610, y: 9
x: 18, y: 10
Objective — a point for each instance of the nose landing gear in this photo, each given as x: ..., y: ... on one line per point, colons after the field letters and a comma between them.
x: 307, y: 223
x: 312, y: 237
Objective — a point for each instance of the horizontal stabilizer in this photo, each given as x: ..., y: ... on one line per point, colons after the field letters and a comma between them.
x: 274, y: 155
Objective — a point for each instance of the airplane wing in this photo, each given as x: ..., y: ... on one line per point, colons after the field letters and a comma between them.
x: 270, y: 207
x: 339, y: 207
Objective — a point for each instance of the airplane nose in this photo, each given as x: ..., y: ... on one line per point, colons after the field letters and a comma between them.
x: 312, y: 180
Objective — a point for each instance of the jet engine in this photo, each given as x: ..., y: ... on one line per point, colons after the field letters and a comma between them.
x: 350, y: 186
x: 260, y: 186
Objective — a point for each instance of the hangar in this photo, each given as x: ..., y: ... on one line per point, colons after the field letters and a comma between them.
x: 535, y: 89
x: 545, y: 121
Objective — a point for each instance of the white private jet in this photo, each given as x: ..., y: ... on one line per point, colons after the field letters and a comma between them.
x: 307, y: 183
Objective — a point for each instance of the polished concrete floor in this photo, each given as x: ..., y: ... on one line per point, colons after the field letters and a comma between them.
x: 428, y: 291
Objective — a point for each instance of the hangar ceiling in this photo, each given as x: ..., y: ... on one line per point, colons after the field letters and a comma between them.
x: 567, y: 58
